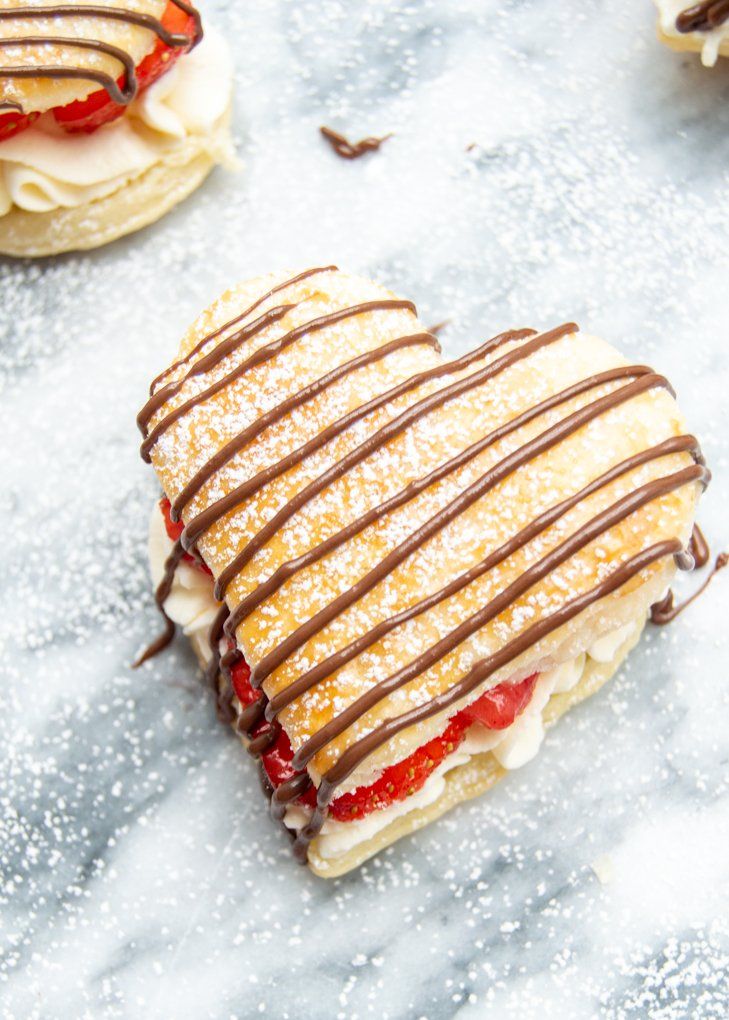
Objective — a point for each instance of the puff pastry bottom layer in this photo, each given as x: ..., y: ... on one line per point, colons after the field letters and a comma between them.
x: 142, y: 201
x: 470, y: 779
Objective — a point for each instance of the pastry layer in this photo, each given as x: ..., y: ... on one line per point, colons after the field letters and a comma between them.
x: 45, y: 93
x: 127, y: 174
x: 463, y: 782
x: 711, y: 44
x: 485, y: 755
x: 44, y: 168
x: 563, y: 373
x: 143, y: 201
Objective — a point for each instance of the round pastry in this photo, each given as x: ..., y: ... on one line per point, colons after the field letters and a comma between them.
x: 701, y: 27
x: 110, y: 114
x: 398, y: 569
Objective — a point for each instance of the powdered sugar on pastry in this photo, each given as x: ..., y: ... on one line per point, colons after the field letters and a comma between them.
x: 191, y: 605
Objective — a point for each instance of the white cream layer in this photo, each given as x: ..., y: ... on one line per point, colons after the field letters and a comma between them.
x: 45, y: 168
x: 668, y: 11
x: 192, y: 607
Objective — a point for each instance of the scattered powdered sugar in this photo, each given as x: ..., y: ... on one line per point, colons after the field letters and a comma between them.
x: 140, y: 872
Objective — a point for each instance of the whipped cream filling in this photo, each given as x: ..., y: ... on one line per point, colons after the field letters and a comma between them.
x: 192, y: 606
x: 45, y: 168
x: 669, y: 10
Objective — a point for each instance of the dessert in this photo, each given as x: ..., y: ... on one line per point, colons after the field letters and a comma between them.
x: 110, y: 114
x: 701, y: 27
x: 397, y: 569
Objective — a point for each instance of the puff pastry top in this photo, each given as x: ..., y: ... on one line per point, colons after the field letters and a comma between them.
x: 52, y: 54
x: 393, y: 533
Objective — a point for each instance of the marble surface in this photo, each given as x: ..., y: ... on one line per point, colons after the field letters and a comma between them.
x: 140, y: 875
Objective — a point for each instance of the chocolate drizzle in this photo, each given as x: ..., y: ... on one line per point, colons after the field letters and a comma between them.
x: 623, y: 384
x: 259, y: 357
x: 699, y: 548
x: 351, y: 150
x: 415, y: 540
x: 703, y: 17
x: 667, y: 610
x: 122, y: 94
x: 160, y: 597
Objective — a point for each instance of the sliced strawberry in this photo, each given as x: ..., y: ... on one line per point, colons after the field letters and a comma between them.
x: 174, y: 529
x: 13, y: 123
x: 499, y: 707
x: 240, y: 676
x: 400, y: 781
x: 496, y: 709
x: 277, y: 759
x: 86, y: 115
x: 277, y: 763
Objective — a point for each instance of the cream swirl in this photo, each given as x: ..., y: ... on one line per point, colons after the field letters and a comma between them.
x: 44, y: 168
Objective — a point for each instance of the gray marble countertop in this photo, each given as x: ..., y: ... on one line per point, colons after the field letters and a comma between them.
x: 550, y: 160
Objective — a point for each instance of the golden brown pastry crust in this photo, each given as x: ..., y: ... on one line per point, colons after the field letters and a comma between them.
x: 642, y: 422
x: 466, y: 781
x: 45, y: 93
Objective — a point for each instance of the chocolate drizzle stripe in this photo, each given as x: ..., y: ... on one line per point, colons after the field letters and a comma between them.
x: 209, y: 361
x: 328, y: 666
x: 533, y: 448
x: 60, y: 71
x: 587, y: 532
x: 667, y: 610
x: 373, y: 443
x: 251, y: 719
x: 482, y: 670
x: 470, y: 681
x: 699, y: 548
x: 234, y: 322
x: 122, y: 96
x: 703, y: 17
x: 266, y: 588
x: 287, y: 792
x: 252, y: 485
x: 264, y: 354
x: 215, y: 636
x: 208, y: 517
x: 351, y: 150
x: 160, y: 597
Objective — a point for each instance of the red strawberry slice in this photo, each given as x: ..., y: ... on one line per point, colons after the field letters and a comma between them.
x: 499, y: 707
x: 277, y: 759
x: 13, y: 123
x: 174, y: 529
x: 240, y: 676
x: 400, y: 781
x: 86, y: 115
x: 496, y: 709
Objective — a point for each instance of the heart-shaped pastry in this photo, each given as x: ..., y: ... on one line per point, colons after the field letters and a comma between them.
x: 397, y: 569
